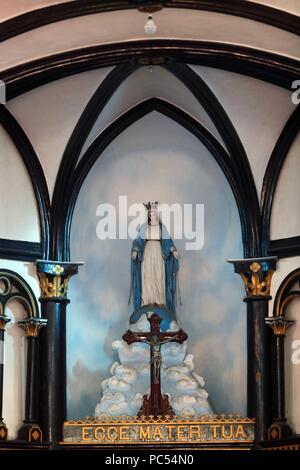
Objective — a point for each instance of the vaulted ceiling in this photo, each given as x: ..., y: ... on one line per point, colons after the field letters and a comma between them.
x: 32, y: 29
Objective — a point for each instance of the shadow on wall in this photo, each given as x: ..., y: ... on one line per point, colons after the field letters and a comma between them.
x: 83, y: 386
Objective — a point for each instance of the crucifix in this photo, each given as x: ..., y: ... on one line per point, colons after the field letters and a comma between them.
x: 156, y: 404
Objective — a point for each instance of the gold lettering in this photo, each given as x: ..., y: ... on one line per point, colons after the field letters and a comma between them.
x: 224, y: 434
x: 181, y: 432
x: 112, y: 434
x: 214, y: 428
x: 145, y: 432
x: 98, y: 436
x: 86, y: 436
x: 169, y: 429
x: 157, y: 433
x: 240, y: 432
x: 123, y: 433
x: 195, y: 432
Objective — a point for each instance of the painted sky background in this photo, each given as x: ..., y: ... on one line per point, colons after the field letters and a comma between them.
x: 156, y: 159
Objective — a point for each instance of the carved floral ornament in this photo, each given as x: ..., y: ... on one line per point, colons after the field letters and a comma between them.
x: 253, y: 283
x: 256, y: 273
x: 279, y: 325
x: 53, y: 286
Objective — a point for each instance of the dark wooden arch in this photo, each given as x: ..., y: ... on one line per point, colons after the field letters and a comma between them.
x: 79, y: 135
x: 275, y: 164
x: 66, y: 10
x: 205, y: 97
x: 273, y: 68
x: 285, y: 295
x: 116, y: 128
x: 38, y: 181
x: 218, y: 115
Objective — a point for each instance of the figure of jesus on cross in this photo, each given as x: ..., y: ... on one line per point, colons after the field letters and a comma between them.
x: 156, y: 404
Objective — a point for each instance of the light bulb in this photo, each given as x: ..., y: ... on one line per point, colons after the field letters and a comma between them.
x: 150, y: 27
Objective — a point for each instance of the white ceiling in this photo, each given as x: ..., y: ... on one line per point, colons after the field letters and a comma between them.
x: 120, y: 26
x: 11, y: 8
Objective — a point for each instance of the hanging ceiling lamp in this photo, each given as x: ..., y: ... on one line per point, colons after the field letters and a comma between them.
x: 149, y: 7
x: 150, y: 26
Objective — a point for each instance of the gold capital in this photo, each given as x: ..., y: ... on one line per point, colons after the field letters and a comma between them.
x: 53, y: 286
x: 3, y: 320
x: 32, y: 326
x: 279, y: 325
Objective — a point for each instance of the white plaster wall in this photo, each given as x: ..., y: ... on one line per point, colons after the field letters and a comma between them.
x: 12, y: 8
x: 285, y: 217
x: 149, y: 83
x: 257, y: 109
x: 49, y: 114
x: 18, y: 209
x: 15, y: 349
x: 17, y: 7
x: 292, y: 366
x: 126, y: 25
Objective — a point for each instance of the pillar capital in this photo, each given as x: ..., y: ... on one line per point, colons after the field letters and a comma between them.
x: 54, y: 278
x: 279, y: 325
x: 3, y: 320
x: 257, y: 275
x: 32, y: 326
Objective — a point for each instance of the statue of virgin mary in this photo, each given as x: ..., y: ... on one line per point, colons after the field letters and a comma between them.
x: 154, y: 264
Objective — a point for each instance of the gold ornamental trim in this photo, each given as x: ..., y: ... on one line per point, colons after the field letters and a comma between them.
x: 279, y: 325
x: 108, y: 430
x: 160, y: 420
x: 54, y: 285
x: 3, y: 320
x: 254, y: 286
x: 32, y: 326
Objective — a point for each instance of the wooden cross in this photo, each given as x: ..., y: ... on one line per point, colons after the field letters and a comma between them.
x: 156, y: 404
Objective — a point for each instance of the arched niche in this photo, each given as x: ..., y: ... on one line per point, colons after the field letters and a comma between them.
x: 292, y: 366
x: 18, y: 208
x: 15, y: 351
x: 156, y: 158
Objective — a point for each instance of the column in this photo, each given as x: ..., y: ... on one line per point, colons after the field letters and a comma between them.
x: 257, y: 275
x: 30, y: 430
x: 54, y: 277
x: 279, y: 427
x: 3, y: 320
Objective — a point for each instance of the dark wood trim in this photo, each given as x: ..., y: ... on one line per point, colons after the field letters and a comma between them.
x: 287, y: 443
x: 19, y: 250
x: 63, y: 11
x: 79, y: 135
x: 242, y: 170
x: 273, y: 68
x: 116, y: 128
x: 35, y: 172
x: 284, y: 289
x: 275, y: 164
x: 285, y: 247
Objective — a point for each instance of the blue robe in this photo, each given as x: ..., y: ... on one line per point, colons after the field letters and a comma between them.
x: 171, y: 268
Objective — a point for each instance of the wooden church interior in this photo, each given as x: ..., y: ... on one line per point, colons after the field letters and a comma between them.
x: 77, y: 75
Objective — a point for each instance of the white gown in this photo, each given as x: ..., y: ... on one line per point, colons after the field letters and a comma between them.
x: 153, y: 269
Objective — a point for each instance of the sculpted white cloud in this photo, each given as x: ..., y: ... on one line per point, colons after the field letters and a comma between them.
x: 122, y: 393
